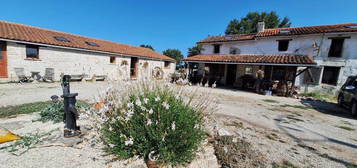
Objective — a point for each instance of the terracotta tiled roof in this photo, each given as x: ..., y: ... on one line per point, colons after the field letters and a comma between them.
x: 254, y: 58
x: 351, y: 27
x: 238, y: 37
x: 19, y: 32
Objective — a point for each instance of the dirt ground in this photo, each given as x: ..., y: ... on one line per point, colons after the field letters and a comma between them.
x: 305, y: 133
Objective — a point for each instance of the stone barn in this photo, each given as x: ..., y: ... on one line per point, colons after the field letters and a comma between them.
x: 31, y: 51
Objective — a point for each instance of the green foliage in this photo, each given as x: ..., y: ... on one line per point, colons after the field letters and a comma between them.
x: 55, y: 111
x: 248, y: 24
x: 147, y: 46
x: 23, y: 108
x: 195, y: 50
x: 303, y: 107
x: 284, y: 164
x: 154, y: 124
x: 174, y: 53
x: 26, y: 143
x: 320, y: 96
x: 270, y: 101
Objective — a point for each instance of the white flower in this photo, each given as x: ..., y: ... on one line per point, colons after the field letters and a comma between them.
x: 146, y: 100
x: 129, y: 142
x: 197, y: 126
x: 129, y: 105
x: 149, y: 122
x: 143, y: 108
x: 138, y: 102
x: 111, y: 145
x: 165, y: 105
x: 152, y: 156
x: 110, y: 129
x: 151, y: 111
x: 173, y: 126
x: 163, y: 138
x: 157, y: 99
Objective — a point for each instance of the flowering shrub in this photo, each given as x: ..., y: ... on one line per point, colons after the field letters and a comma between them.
x: 151, y: 121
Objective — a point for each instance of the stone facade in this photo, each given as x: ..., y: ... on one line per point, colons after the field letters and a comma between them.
x: 315, y: 45
x: 76, y: 62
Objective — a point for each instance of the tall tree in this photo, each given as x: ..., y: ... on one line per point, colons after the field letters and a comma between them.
x: 147, y: 46
x: 195, y: 50
x: 248, y: 24
x: 174, y: 53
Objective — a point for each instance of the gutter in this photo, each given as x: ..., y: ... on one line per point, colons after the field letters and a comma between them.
x: 298, y: 65
x: 81, y: 49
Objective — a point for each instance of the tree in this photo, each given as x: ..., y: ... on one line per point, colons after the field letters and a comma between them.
x: 147, y: 46
x: 248, y: 24
x: 195, y: 50
x: 174, y: 53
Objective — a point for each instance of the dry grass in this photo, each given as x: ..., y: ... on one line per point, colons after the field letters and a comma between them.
x: 233, y: 153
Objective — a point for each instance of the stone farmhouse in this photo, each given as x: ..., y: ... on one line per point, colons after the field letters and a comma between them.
x: 34, y: 49
x: 312, y: 58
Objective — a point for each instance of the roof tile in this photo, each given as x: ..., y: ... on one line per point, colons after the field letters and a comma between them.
x: 20, y: 32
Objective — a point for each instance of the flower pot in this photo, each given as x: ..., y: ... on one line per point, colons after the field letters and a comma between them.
x: 153, y: 164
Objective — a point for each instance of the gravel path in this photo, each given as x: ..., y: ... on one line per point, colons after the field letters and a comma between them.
x: 306, y: 133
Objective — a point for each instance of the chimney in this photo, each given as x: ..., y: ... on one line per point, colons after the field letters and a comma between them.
x: 261, y: 26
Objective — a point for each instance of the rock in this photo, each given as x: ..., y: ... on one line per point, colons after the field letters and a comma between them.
x: 223, y: 132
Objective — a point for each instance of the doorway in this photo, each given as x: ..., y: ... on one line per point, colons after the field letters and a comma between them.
x: 231, y: 74
x: 3, y: 60
x: 134, y: 67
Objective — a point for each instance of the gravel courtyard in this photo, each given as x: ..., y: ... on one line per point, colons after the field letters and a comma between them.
x: 305, y: 133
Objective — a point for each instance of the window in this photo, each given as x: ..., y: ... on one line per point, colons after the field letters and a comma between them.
x: 315, y: 74
x: 63, y: 39
x: 248, y: 70
x: 352, y: 27
x: 330, y: 75
x: 216, y: 48
x: 31, y: 51
x: 336, y: 47
x: 284, y: 31
x: 112, y: 60
x: 167, y: 64
x: 92, y: 44
x: 283, y: 45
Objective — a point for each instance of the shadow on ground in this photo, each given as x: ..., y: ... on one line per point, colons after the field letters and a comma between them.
x: 328, y: 108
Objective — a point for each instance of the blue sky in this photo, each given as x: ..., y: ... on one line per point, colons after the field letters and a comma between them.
x: 166, y: 23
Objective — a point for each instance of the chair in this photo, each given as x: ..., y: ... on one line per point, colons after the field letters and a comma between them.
x: 20, y: 73
x: 49, y: 75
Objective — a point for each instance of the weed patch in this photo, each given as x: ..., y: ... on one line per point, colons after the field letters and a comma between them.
x: 297, y: 106
x: 345, y: 128
x: 23, y: 109
x: 284, y: 164
x: 234, y: 124
x: 270, y: 101
x: 233, y: 152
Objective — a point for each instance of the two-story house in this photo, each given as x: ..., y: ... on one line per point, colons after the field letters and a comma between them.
x: 312, y: 57
x: 33, y: 50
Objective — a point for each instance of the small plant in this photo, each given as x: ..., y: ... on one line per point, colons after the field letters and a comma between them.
x: 284, y: 164
x: 319, y: 96
x: 233, y: 152
x: 26, y: 143
x: 55, y: 111
x: 270, y: 101
x: 152, y: 121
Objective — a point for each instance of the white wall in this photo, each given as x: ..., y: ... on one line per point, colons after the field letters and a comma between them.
x: 72, y: 62
x: 302, y: 45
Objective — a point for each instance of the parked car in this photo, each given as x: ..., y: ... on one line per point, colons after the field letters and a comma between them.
x: 347, y: 96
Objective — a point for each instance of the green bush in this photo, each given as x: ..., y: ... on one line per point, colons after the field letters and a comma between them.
x: 155, y: 123
x: 55, y: 111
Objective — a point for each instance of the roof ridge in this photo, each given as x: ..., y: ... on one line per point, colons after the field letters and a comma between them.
x: 343, y: 24
x: 72, y: 34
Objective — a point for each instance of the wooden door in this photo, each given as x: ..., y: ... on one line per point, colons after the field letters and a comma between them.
x: 3, y: 60
x: 133, y: 67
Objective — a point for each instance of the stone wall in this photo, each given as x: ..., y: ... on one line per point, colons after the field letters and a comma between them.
x: 73, y: 62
